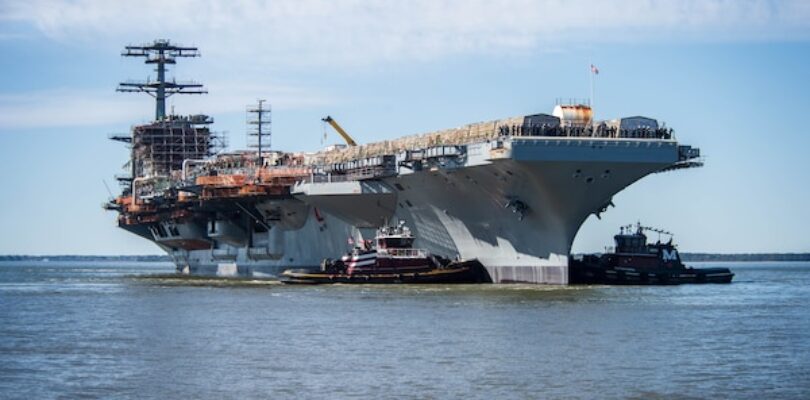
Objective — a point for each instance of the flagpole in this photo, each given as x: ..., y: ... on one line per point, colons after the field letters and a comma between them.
x: 590, y: 73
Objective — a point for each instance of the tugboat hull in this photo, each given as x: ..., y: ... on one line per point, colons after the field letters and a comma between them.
x: 457, y: 272
x: 584, y: 273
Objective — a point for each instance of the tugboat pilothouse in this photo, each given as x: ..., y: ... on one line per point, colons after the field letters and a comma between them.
x: 391, y: 258
x: 635, y: 261
x: 392, y: 252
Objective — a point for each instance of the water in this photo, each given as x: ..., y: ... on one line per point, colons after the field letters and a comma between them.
x: 130, y: 330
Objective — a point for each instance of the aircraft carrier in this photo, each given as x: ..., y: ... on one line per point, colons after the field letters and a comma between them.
x: 511, y: 192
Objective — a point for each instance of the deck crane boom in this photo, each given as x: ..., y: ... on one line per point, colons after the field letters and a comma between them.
x: 339, y: 130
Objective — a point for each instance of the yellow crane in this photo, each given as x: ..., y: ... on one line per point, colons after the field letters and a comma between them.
x: 339, y: 130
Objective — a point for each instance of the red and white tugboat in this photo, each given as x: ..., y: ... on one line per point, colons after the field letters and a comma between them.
x: 637, y: 262
x: 391, y: 259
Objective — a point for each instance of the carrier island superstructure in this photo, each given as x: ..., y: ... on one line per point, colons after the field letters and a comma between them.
x: 511, y: 192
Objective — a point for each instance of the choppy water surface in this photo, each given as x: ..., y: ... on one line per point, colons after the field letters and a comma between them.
x: 135, y: 331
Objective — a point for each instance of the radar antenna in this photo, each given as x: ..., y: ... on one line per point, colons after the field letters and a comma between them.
x: 161, y: 52
x: 259, y: 127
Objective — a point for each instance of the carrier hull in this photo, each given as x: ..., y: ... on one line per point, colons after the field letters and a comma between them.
x: 320, y: 237
x: 517, y: 210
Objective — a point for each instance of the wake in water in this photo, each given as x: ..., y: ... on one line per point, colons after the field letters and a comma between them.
x: 192, y: 280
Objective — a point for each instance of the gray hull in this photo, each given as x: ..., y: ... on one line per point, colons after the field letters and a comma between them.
x: 515, y: 205
x: 305, y: 247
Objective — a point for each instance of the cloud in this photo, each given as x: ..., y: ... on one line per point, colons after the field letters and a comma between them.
x: 279, y: 38
x: 11, y: 36
x: 358, y: 32
x: 64, y: 108
x: 76, y: 108
x: 235, y: 95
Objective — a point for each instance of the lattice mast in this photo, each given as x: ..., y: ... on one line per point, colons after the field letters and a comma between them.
x: 161, y: 53
x: 259, y: 119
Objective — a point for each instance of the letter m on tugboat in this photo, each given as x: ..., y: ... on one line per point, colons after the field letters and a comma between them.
x: 669, y: 255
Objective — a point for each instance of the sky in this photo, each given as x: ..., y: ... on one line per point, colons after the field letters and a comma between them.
x: 730, y: 77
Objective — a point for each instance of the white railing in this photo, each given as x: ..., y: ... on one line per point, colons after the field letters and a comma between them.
x: 404, y: 253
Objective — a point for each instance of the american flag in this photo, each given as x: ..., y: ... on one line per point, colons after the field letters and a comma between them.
x: 594, y: 70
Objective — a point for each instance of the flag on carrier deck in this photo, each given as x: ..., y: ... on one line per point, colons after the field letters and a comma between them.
x: 594, y: 70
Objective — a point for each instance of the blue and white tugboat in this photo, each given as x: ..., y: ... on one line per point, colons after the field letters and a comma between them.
x: 391, y: 258
x: 637, y: 262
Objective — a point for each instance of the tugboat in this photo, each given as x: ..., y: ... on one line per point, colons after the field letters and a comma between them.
x: 636, y: 262
x: 391, y: 258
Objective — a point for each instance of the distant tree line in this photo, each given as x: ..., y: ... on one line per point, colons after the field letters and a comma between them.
x: 745, y: 257
x: 146, y: 258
